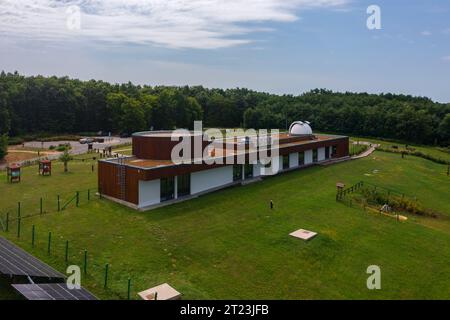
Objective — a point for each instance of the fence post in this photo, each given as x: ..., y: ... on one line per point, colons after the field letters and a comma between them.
x: 18, y: 226
x: 49, y: 242
x: 129, y: 289
x: 18, y: 208
x: 106, y: 275
x: 66, y: 256
x: 33, y: 231
x: 78, y: 198
x: 85, y: 262
x: 59, y: 205
x: 41, y: 205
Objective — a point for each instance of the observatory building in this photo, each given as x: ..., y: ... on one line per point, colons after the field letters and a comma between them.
x: 151, y: 178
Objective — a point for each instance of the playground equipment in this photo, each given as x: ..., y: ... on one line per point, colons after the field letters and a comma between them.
x: 45, y: 167
x: 13, y: 173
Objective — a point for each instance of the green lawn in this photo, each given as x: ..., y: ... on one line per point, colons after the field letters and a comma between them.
x: 6, y: 291
x: 433, y: 151
x: 230, y: 245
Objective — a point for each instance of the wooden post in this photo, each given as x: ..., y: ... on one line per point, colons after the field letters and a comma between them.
x: 78, y: 198
x: 89, y: 194
x: 59, y: 204
x: 41, y: 205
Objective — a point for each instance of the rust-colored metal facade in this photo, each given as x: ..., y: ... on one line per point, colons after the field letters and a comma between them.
x: 147, y: 147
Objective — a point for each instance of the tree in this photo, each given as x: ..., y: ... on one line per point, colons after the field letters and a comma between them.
x: 65, y: 158
x: 133, y: 116
x: 3, y: 146
x: 444, y: 129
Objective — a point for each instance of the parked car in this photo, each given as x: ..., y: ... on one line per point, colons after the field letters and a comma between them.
x: 86, y: 140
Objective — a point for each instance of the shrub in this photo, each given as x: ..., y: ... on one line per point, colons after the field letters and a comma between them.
x: 405, y: 204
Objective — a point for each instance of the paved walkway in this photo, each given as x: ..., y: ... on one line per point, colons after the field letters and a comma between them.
x: 366, y: 153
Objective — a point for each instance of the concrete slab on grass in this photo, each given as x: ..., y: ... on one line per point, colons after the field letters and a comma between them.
x: 303, y: 234
x: 165, y: 292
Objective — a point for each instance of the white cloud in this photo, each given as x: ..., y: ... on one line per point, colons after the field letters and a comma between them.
x: 426, y: 33
x: 447, y: 58
x: 205, y: 24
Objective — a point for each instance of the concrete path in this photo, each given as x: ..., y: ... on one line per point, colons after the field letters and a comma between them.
x: 366, y: 153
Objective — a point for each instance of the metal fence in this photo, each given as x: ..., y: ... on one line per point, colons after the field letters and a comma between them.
x: 45, y: 205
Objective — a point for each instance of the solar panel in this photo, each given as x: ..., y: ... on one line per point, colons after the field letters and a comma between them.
x: 52, y: 291
x: 16, y: 262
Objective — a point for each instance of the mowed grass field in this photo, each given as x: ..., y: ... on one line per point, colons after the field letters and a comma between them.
x: 230, y: 245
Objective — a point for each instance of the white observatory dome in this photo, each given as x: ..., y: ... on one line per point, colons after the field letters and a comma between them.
x: 299, y: 128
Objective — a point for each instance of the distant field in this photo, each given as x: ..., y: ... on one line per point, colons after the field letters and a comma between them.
x: 230, y: 245
x: 433, y: 151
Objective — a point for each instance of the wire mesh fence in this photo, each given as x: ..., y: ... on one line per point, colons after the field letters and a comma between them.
x: 46, y: 205
x: 381, y: 199
x: 96, y: 270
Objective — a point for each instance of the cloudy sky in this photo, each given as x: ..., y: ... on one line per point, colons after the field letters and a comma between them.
x: 279, y: 46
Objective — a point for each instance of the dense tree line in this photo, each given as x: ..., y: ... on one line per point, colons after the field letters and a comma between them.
x: 30, y: 105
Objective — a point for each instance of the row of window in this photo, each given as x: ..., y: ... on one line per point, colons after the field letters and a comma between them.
x: 237, y: 172
x: 184, y: 181
x: 168, y: 187
x: 315, y: 157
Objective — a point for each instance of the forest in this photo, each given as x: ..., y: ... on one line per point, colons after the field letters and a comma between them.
x: 37, y: 104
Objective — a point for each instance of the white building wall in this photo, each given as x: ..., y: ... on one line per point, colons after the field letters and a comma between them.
x: 280, y: 163
x: 321, y: 154
x: 308, y: 157
x: 293, y: 160
x: 257, y: 170
x: 212, y: 178
x: 149, y: 192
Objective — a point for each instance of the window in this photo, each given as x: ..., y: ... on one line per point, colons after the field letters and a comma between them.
x: 184, y: 185
x: 237, y: 172
x: 285, y: 162
x: 327, y: 152
x: 248, y: 171
x: 301, y: 158
x: 167, y: 188
x: 334, y: 151
x: 315, y: 158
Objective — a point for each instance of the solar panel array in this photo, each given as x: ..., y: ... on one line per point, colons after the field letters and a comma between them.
x: 17, y: 262
x: 52, y: 291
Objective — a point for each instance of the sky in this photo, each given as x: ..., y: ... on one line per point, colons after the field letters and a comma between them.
x: 277, y: 46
